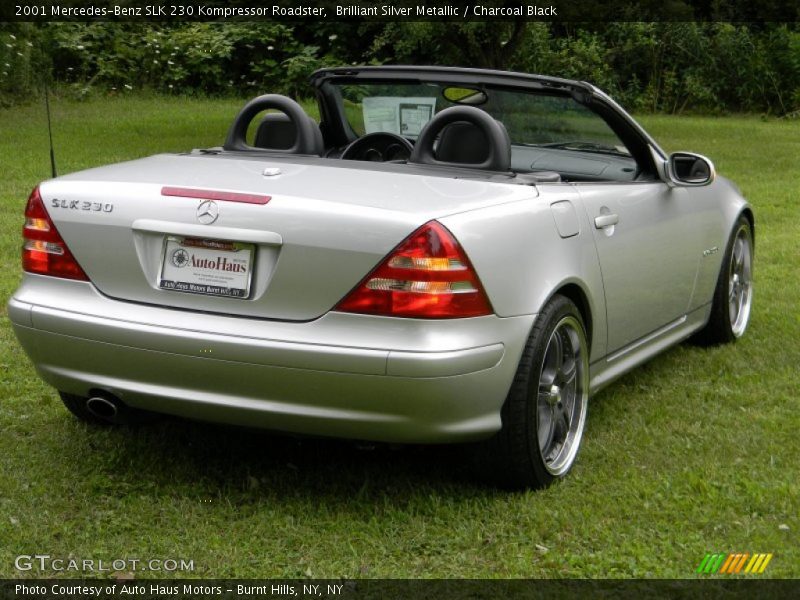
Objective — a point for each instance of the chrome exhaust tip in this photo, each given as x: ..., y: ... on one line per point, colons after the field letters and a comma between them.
x: 103, y: 408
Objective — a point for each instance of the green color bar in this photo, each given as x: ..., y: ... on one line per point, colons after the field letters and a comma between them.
x: 703, y: 564
x: 718, y: 564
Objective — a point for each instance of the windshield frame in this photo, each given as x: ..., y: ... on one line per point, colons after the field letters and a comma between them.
x: 642, y: 147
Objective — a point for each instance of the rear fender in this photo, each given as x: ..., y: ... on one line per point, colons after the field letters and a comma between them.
x: 522, y: 258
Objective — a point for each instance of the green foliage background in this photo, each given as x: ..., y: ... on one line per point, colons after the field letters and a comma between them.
x: 666, y: 67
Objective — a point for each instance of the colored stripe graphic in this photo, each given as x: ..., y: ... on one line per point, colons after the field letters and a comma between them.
x: 753, y: 563
x: 733, y: 563
x: 715, y: 563
x: 711, y: 563
x: 740, y: 564
x: 703, y: 563
x: 764, y: 564
x: 731, y: 560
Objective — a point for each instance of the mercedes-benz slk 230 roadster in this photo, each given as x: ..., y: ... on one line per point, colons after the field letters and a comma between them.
x: 448, y: 255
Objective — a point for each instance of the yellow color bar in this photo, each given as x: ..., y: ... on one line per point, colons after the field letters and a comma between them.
x: 765, y: 563
x: 752, y: 562
x: 757, y: 566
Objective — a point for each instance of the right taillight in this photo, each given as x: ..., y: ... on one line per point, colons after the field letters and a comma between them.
x: 44, y: 251
x: 428, y: 276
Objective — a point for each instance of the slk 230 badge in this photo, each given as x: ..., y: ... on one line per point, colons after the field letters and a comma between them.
x: 82, y: 205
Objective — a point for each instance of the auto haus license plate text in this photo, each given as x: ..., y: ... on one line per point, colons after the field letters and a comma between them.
x: 209, y: 267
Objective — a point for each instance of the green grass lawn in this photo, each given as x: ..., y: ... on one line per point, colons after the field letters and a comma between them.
x: 698, y: 451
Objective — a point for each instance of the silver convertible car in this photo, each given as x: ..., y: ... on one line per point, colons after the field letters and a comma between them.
x: 448, y: 255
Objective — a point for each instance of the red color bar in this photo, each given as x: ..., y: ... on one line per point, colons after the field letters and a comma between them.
x: 215, y: 195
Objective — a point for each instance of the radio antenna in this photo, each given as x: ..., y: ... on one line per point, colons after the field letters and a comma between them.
x: 50, y: 131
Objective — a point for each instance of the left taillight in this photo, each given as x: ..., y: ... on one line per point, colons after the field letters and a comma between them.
x: 44, y: 251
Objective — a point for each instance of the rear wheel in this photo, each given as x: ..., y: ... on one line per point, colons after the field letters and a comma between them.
x: 733, y: 296
x: 545, y: 411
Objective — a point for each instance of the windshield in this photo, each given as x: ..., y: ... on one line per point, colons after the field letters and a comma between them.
x: 531, y: 119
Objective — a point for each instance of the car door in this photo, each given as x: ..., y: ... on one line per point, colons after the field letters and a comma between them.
x: 647, y: 242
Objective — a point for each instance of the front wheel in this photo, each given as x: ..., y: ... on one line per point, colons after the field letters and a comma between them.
x: 545, y: 411
x: 733, y: 295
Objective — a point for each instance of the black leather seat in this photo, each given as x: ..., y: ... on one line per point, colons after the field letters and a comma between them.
x: 463, y: 136
x: 462, y: 142
x: 291, y: 131
x: 276, y: 132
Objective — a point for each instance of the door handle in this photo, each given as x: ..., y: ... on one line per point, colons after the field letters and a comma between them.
x: 605, y: 221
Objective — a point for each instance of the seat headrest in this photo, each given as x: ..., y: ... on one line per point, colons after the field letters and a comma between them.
x: 463, y: 136
x: 276, y: 132
x: 278, y: 129
x: 462, y: 142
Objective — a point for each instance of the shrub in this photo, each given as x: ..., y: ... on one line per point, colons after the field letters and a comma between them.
x: 656, y: 67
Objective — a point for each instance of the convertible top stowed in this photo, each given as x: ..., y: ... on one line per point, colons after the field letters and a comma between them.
x: 372, y: 275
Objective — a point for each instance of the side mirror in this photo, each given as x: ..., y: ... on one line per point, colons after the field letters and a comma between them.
x: 687, y: 169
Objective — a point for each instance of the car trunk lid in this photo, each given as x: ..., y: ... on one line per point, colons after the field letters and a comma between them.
x: 310, y: 232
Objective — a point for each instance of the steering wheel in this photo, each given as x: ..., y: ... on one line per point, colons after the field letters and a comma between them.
x: 380, y: 146
x: 308, y: 140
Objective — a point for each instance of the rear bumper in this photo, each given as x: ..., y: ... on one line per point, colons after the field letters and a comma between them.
x: 342, y: 375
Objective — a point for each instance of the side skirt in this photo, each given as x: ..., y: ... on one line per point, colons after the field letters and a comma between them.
x: 615, y: 365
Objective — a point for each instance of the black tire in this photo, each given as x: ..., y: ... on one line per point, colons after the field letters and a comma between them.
x: 722, y: 328
x: 514, y: 457
x: 125, y: 414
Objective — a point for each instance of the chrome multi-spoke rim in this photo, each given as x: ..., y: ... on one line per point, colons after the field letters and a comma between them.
x: 740, y: 282
x: 562, y: 395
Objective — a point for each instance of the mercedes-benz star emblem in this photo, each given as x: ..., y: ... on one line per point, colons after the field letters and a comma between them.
x: 207, y: 212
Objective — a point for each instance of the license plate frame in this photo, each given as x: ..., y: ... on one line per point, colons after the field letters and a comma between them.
x: 210, y: 267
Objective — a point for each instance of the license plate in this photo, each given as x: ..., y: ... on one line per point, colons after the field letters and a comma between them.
x: 208, y: 267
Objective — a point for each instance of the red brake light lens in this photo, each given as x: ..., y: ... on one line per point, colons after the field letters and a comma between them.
x: 44, y: 251
x: 428, y: 276
x: 215, y: 195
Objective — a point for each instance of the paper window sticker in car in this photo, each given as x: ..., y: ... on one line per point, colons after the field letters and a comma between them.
x: 413, y: 117
x: 398, y: 115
